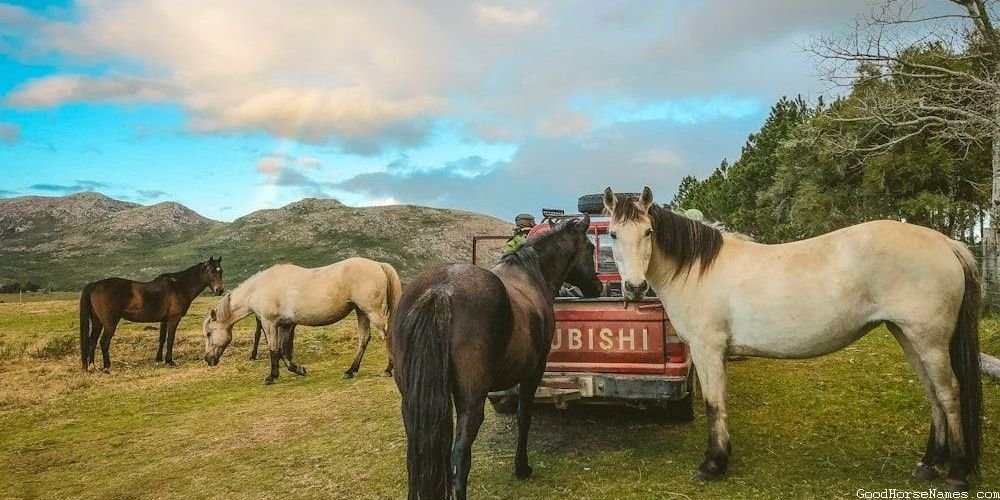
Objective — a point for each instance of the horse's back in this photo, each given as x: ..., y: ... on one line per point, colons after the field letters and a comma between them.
x: 814, y: 296
x: 321, y: 295
x: 480, y: 311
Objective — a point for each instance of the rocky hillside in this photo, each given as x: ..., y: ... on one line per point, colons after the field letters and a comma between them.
x: 62, y: 243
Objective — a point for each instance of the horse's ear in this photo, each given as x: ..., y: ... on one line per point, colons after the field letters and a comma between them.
x: 646, y: 199
x: 552, y: 224
x: 609, y: 200
x: 584, y: 223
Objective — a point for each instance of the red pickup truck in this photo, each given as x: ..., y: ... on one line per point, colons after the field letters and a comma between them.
x: 607, y: 351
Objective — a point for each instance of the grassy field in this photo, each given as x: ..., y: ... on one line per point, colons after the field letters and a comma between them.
x: 801, y: 429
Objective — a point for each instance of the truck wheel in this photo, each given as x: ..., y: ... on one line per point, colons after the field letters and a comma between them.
x: 504, y: 405
x: 593, y: 204
x: 682, y: 410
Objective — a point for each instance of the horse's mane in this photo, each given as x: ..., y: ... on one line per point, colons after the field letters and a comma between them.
x: 528, y: 257
x: 685, y: 240
x: 249, y: 281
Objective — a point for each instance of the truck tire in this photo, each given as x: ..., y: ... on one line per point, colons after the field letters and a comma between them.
x: 681, y: 411
x: 593, y: 204
x: 504, y: 405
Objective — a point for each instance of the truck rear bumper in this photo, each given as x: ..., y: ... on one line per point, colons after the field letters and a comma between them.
x: 561, y: 388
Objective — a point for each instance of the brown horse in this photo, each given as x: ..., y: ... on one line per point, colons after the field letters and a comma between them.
x: 165, y: 299
x: 463, y: 331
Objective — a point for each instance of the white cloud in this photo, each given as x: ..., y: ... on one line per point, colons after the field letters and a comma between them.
x: 55, y: 90
x: 10, y: 133
x: 505, y: 16
x: 366, y: 75
x: 309, y: 162
x: 271, y: 165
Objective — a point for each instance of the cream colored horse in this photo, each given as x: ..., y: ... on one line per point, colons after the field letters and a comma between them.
x: 286, y: 295
x: 813, y: 297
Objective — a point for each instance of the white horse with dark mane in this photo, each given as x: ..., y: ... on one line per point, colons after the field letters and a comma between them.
x: 286, y: 295
x: 813, y: 297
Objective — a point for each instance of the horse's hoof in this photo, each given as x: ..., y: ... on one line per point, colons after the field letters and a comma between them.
x: 956, y: 485
x: 158, y: 360
x: 701, y: 476
x: 268, y: 381
x: 523, y: 472
x: 348, y: 375
x: 106, y: 370
x: 926, y: 472
x: 386, y: 374
x: 301, y: 371
x: 171, y: 363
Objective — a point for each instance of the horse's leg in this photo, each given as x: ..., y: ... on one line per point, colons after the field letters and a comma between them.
x: 525, y: 399
x: 171, y: 333
x: 710, y: 363
x: 274, y: 348
x: 381, y: 323
x: 163, y: 339
x: 364, y: 335
x: 95, y: 335
x: 106, y: 343
x: 937, y: 443
x: 287, y: 336
x: 470, y: 417
x: 937, y: 362
x: 256, y: 338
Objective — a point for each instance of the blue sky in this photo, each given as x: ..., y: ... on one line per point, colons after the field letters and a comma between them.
x: 233, y: 106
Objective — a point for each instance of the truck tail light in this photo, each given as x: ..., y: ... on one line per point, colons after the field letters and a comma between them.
x: 676, y: 351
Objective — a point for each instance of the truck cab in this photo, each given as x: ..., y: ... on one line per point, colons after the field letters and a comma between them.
x: 607, y: 351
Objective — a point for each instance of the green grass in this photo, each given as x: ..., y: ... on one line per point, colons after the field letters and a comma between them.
x: 801, y: 429
x: 14, y: 298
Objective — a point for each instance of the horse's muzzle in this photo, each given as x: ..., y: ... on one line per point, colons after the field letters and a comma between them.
x: 211, y: 360
x: 634, y: 292
x: 219, y: 291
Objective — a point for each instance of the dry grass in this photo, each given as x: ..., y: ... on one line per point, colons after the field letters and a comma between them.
x: 820, y: 428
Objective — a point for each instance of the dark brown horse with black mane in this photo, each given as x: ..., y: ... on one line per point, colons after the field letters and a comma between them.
x: 462, y: 331
x: 165, y: 299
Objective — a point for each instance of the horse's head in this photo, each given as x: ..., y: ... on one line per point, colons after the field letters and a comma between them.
x: 582, y: 272
x: 218, y: 329
x: 211, y: 272
x: 631, y: 232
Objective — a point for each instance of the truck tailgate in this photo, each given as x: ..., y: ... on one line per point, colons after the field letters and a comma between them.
x: 605, y: 336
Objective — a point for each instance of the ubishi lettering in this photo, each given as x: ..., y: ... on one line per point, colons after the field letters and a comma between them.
x: 604, y: 339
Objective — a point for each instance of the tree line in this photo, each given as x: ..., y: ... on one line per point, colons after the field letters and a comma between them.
x: 15, y: 287
x: 816, y: 167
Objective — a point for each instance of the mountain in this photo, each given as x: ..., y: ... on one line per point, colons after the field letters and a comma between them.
x: 62, y: 243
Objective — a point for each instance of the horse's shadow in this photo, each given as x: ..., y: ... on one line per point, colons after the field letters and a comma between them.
x: 585, y: 429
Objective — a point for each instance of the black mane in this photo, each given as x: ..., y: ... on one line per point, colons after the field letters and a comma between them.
x: 532, y: 256
x: 685, y: 240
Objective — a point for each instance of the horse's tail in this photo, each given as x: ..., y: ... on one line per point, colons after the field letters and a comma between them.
x: 965, y: 356
x: 425, y: 386
x: 393, y: 290
x: 85, y: 310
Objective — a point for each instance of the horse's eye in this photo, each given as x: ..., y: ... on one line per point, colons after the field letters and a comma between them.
x: 649, y: 232
x: 613, y: 235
